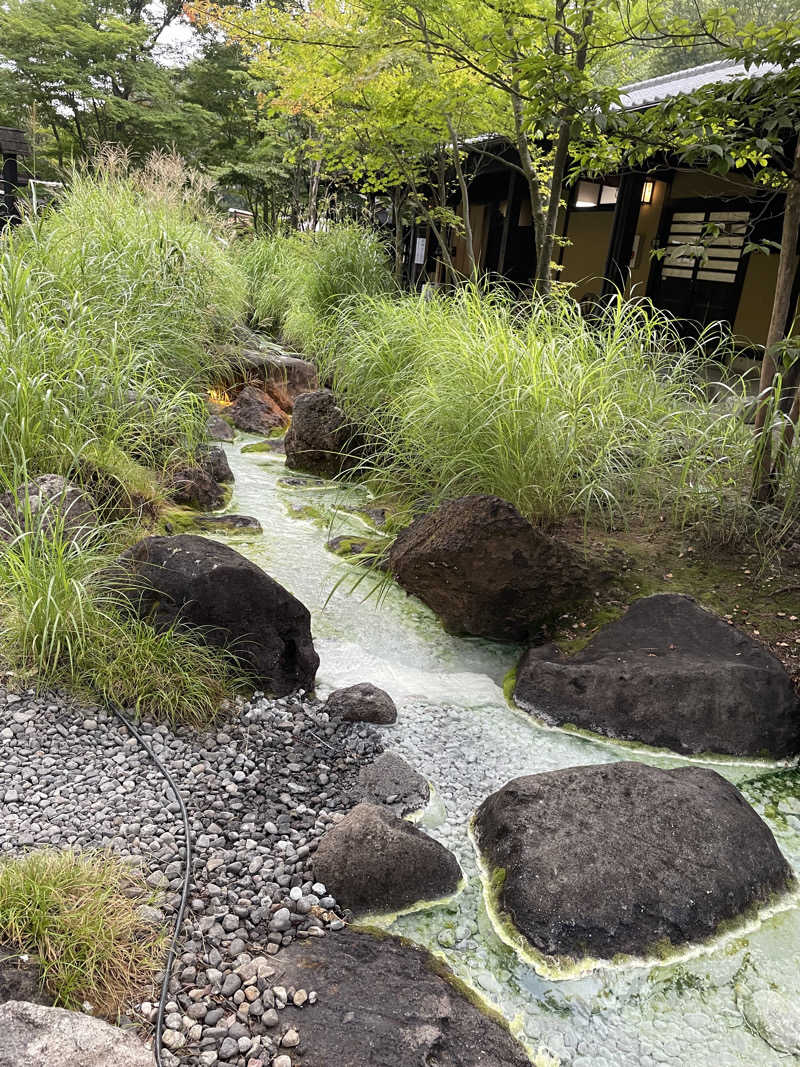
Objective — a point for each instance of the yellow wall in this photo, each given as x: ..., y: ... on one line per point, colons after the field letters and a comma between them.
x: 589, y: 233
x: 647, y: 231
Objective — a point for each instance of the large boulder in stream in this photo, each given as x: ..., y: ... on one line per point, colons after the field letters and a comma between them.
x: 669, y: 673
x: 486, y: 571
x: 320, y: 439
x: 227, y: 601
x: 625, y: 858
x: 371, y: 861
x: 383, y: 1003
x: 254, y: 411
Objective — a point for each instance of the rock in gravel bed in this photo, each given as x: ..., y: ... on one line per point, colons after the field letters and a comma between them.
x: 374, y: 862
x: 35, y: 1034
x: 362, y: 703
x: 383, y: 1003
x: 625, y: 857
x: 395, y: 784
x: 262, y: 788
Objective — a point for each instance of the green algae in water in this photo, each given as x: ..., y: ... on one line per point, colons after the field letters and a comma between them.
x: 663, y: 951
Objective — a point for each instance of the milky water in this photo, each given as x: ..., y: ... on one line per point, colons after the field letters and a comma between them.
x: 736, y: 1003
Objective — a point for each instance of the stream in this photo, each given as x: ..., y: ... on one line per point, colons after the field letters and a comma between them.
x: 734, y: 1003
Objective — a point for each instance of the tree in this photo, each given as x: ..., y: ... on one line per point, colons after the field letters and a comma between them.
x: 86, y: 72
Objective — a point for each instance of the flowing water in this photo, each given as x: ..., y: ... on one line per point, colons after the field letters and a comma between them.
x: 734, y: 1003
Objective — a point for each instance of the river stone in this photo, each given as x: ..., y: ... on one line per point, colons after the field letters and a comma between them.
x: 283, y: 375
x: 384, y: 1003
x: 390, y: 776
x: 219, y: 429
x: 775, y: 1018
x: 486, y: 571
x: 35, y: 1034
x: 199, y: 583
x: 194, y: 487
x: 372, y: 861
x: 320, y: 439
x: 669, y: 673
x: 256, y: 412
x: 228, y: 523
x: 212, y: 458
x: 47, y: 503
x: 21, y: 980
x: 362, y: 703
x: 619, y: 857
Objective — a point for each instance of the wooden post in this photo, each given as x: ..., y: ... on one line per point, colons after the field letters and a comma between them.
x: 10, y: 185
x: 623, y: 232
x: 501, y: 256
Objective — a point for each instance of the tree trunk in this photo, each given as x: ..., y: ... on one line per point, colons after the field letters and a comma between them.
x: 464, y: 190
x: 313, y: 195
x: 398, y: 197
x: 543, y: 277
x: 526, y: 162
x: 763, y: 484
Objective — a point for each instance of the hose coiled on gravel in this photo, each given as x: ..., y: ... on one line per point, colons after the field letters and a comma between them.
x: 187, y: 876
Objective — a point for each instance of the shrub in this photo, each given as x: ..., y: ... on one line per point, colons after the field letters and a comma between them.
x: 471, y: 393
x: 77, y: 914
x: 298, y: 282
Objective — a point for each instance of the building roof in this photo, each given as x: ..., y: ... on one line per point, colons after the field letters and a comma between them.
x: 656, y: 90
x: 13, y: 142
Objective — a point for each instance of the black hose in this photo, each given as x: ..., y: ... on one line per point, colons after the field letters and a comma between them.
x: 187, y: 877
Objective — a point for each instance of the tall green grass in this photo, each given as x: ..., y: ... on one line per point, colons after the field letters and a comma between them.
x: 609, y: 420
x: 113, y: 308
x: 110, y: 307
x: 299, y: 281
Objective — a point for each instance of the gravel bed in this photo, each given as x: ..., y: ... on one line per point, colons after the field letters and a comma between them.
x: 261, y: 788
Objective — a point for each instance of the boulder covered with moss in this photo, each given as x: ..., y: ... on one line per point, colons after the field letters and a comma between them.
x: 625, y: 858
x: 668, y: 673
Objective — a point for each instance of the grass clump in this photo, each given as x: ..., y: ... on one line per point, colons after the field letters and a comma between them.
x: 62, y: 624
x: 110, y: 310
x: 298, y: 282
x: 77, y: 913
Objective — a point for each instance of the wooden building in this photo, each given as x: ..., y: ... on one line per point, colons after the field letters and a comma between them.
x: 612, y: 226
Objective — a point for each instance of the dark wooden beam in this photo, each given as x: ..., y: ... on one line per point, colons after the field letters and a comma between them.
x: 623, y: 232
x: 10, y: 185
x: 501, y: 258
